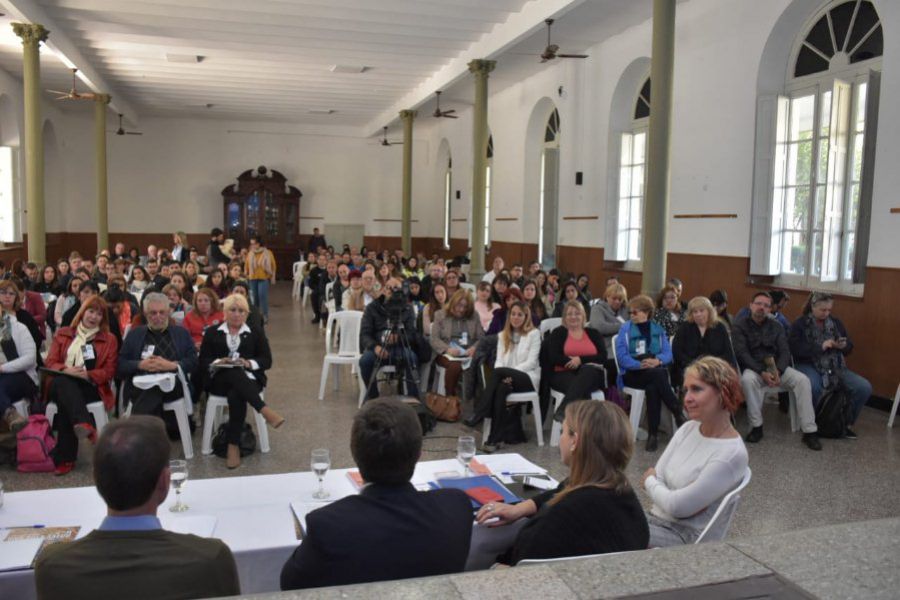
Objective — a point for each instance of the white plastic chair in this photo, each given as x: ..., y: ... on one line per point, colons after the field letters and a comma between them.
x: 557, y: 397
x: 97, y: 409
x: 894, y: 408
x: 182, y: 407
x: 298, y: 279
x: 21, y: 407
x: 638, y: 398
x: 532, y: 398
x: 725, y: 512
x: 470, y: 287
x: 346, y: 322
x: 362, y: 384
x: 215, y: 409
x: 550, y: 324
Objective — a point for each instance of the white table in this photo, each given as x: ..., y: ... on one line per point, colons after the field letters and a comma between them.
x: 253, y: 517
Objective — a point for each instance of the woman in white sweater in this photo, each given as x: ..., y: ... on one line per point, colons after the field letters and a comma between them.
x: 516, y: 370
x: 18, y: 364
x: 705, y: 460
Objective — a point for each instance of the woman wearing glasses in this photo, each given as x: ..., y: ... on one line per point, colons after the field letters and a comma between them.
x: 643, y: 352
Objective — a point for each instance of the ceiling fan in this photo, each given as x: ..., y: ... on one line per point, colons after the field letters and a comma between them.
x: 386, y: 142
x: 121, y: 129
x: 73, y: 94
x: 551, y: 51
x: 442, y: 113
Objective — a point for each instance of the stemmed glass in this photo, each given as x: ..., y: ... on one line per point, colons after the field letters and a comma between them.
x: 465, y: 451
x: 179, y: 477
x: 320, y: 462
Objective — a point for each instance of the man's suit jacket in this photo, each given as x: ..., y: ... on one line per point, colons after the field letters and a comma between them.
x: 386, y: 532
x: 133, y: 346
x: 136, y: 565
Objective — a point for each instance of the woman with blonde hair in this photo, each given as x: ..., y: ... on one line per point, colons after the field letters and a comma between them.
x: 703, y: 334
x: 595, y: 510
x: 454, y: 337
x: 180, y: 247
x: 705, y: 459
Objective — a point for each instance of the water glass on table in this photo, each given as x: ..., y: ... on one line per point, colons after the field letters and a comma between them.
x: 179, y: 476
x: 320, y: 461
x: 465, y: 451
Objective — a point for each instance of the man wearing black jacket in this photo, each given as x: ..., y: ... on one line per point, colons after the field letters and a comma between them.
x: 316, y: 275
x: 389, y: 530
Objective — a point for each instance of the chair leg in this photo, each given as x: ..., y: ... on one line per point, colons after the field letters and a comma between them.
x: 209, y: 424
x: 792, y: 408
x: 536, y: 411
x: 336, y: 373
x: 50, y: 412
x: 486, y: 431
x: 262, y: 432
x: 637, y: 409
x: 894, y: 408
x: 100, y: 416
x: 184, y: 429
x: 324, y: 380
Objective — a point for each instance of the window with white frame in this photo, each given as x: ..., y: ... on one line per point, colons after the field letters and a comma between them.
x: 816, y: 186
x: 448, y: 180
x: 632, y: 179
x: 487, y: 191
x: 549, y: 197
x: 8, y: 213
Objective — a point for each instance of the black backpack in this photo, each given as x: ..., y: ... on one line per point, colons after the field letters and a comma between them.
x: 220, y: 441
x: 834, y: 411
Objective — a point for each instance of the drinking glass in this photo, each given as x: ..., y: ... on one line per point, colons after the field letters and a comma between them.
x: 465, y: 451
x: 179, y: 477
x: 320, y: 462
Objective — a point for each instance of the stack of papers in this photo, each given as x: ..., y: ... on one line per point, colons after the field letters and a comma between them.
x: 16, y: 555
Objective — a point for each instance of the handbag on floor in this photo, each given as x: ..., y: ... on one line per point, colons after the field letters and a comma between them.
x: 834, y: 411
x: 445, y: 408
x: 220, y: 441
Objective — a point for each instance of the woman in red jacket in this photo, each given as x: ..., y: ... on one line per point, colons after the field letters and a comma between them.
x: 88, y: 353
x: 206, y: 313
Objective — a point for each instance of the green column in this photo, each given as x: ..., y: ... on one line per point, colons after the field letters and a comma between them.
x: 481, y: 68
x: 32, y: 35
x: 656, y: 205
x: 407, y: 117
x: 100, y: 102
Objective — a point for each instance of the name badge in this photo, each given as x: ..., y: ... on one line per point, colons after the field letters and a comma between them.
x: 235, y: 355
x: 641, y: 347
x: 673, y: 316
x: 148, y: 351
x: 88, y: 352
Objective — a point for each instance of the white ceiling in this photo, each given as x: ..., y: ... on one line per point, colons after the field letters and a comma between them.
x: 270, y: 59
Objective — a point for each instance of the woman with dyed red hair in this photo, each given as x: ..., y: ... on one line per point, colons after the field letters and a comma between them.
x: 705, y: 460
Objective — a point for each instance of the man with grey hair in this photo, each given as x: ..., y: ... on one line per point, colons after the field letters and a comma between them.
x: 158, y: 347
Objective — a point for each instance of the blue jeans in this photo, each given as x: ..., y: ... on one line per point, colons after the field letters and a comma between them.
x: 860, y: 388
x: 367, y: 365
x: 259, y: 290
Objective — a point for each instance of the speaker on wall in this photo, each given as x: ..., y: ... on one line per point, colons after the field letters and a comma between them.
x: 579, y: 177
x: 458, y: 196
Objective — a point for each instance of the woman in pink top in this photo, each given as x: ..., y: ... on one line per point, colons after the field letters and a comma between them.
x: 577, y: 354
x: 483, y: 304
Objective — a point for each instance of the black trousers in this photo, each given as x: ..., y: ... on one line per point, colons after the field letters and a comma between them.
x: 15, y: 387
x: 71, y: 396
x: 493, y: 401
x: 578, y: 384
x: 240, y: 391
x: 150, y: 402
x: 316, y: 302
x: 655, y: 382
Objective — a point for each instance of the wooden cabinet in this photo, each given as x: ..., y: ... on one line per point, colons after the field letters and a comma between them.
x: 262, y: 203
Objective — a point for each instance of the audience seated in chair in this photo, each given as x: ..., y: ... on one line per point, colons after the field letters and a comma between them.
x: 158, y: 348
x: 254, y: 317
x: 719, y: 300
x: 595, y: 510
x: 454, y: 335
x: 206, y: 314
x: 761, y: 347
x: 233, y: 360
x: 705, y: 459
x: 643, y: 353
x: 130, y: 555
x: 437, y: 301
x: 702, y: 334
x: 496, y: 267
x: 389, y: 530
x: 18, y: 367
x: 498, y: 321
x: 87, y: 352
x: 780, y: 298
x: 570, y: 293
x: 669, y: 313
x: 577, y: 355
x: 819, y: 343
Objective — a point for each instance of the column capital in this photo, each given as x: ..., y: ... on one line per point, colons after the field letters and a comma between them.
x: 31, y: 33
x: 409, y: 114
x: 481, y: 66
x: 102, y: 98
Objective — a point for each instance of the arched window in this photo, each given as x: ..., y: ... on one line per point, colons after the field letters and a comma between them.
x: 448, y: 186
x: 632, y: 179
x: 816, y: 192
x: 549, y: 199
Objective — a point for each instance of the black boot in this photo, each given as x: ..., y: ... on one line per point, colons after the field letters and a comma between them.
x: 652, y: 442
x: 755, y: 435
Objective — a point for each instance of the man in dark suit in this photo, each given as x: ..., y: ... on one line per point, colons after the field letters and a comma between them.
x: 390, y: 530
x: 130, y: 555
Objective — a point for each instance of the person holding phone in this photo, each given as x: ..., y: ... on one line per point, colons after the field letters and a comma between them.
x: 820, y: 344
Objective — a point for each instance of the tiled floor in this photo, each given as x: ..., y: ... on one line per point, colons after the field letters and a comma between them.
x: 792, y: 487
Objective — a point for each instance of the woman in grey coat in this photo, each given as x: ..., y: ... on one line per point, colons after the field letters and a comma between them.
x: 607, y: 317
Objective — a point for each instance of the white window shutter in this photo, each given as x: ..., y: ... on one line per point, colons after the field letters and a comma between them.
x: 838, y: 147
x: 617, y: 244
x: 768, y: 196
x: 861, y: 259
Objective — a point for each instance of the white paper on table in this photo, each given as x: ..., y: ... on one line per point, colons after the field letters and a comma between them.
x: 199, y: 525
x: 301, y: 509
x: 508, y: 463
x: 16, y: 555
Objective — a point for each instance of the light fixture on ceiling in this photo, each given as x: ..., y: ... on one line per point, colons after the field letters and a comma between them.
x: 184, y: 58
x: 355, y: 69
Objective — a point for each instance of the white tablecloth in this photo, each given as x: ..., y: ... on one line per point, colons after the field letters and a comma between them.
x: 253, y: 516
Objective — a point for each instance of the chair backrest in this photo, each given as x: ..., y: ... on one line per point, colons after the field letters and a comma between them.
x: 329, y: 291
x: 615, y: 356
x: 346, y: 322
x: 298, y: 268
x: 550, y: 324
x: 469, y: 286
x: 725, y: 512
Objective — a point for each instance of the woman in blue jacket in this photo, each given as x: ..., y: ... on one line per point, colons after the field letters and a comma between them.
x: 643, y: 352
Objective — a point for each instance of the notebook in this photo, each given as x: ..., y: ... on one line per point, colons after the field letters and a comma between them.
x: 486, y: 481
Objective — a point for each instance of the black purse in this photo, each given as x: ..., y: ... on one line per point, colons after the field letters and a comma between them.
x: 220, y: 441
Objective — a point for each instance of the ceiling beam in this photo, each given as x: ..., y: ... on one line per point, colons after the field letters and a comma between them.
x: 30, y: 11
x: 503, y: 36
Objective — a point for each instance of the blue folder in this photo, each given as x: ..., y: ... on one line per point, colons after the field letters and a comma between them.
x: 465, y: 483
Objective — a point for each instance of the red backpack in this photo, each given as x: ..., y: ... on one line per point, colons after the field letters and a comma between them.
x: 33, y: 446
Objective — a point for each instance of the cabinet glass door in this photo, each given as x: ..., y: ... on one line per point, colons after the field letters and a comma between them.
x: 233, y: 221
x: 272, y: 211
x: 253, y: 206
